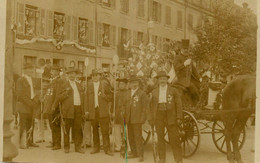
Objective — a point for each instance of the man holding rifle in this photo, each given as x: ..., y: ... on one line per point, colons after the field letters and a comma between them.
x: 70, y: 97
x: 166, y: 112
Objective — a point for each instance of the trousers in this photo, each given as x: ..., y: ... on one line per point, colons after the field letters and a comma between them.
x: 135, y: 139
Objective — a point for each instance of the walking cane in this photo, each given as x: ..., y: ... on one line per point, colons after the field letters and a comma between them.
x: 83, y: 124
x: 115, y: 60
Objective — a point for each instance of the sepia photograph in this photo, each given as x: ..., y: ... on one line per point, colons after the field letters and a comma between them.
x: 114, y: 81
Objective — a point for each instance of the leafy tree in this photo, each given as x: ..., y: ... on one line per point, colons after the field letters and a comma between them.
x: 228, y: 43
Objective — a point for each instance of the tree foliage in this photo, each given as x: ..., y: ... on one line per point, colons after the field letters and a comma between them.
x: 228, y: 43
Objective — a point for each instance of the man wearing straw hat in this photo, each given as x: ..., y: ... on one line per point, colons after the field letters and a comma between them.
x: 97, y: 110
x: 135, y: 107
x: 26, y: 104
x: 70, y: 96
x: 166, y: 112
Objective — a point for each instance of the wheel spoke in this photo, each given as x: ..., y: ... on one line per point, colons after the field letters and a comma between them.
x: 219, y: 125
x: 220, y: 138
x: 192, y: 142
x: 223, y: 143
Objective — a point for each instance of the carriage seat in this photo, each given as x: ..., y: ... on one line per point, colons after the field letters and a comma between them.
x: 214, y: 95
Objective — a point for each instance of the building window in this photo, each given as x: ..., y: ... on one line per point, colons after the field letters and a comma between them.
x: 106, y: 35
x: 168, y: 15
x: 124, y: 6
x: 140, y: 37
x: 31, y: 16
x: 124, y: 34
x: 140, y: 8
x: 30, y: 59
x: 108, y: 3
x: 58, y: 62
x: 83, y: 31
x: 190, y: 21
x: 81, y: 66
x: 179, y: 20
x: 59, y: 21
x: 156, y: 11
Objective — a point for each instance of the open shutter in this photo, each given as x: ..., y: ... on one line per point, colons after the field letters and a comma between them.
x: 135, y: 38
x: 75, y: 28
x: 112, y: 37
x: 20, y: 15
x: 49, y: 24
x: 145, y: 38
x: 68, y: 27
x: 129, y: 36
x: 38, y: 23
x: 100, y: 34
x: 119, y: 36
x: 159, y: 12
x: 90, y: 32
x: 43, y: 23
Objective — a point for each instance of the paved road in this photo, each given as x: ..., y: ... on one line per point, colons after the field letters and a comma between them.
x: 207, y: 153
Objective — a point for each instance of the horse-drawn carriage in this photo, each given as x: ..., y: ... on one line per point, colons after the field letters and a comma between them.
x: 204, y: 119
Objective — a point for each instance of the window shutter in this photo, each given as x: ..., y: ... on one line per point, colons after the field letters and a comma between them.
x: 159, y: 12
x: 43, y: 23
x: 135, y: 38
x: 127, y: 6
x: 68, y: 27
x: 168, y: 15
x: 90, y: 32
x: 112, y: 30
x: 100, y: 27
x: 75, y: 28
x: 119, y: 36
x: 20, y: 18
x: 49, y: 24
x: 129, y: 36
x: 38, y: 23
x: 145, y: 38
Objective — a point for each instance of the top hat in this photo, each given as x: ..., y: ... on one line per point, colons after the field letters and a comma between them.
x: 124, y: 80
x: 71, y: 69
x: 185, y: 43
x: 162, y: 74
x: 28, y: 66
x: 96, y: 71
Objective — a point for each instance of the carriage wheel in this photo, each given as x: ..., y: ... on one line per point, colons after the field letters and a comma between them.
x: 146, y: 134
x: 219, y: 138
x: 190, y: 134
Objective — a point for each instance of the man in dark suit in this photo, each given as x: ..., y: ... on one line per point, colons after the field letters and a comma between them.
x: 70, y: 96
x: 51, y: 108
x: 135, y: 107
x: 97, y: 110
x: 27, y: 102
x: 186, y: 72
x: 166, y: 112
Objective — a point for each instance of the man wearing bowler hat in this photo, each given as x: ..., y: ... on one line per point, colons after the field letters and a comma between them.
x: 135, y: 107
x: 119, y: 112
x: 27, y: 103
x: 70, y: 96
x: 97, y: 110
x: 186, y: 72
x: 51, y: 110
x: 166, y: 112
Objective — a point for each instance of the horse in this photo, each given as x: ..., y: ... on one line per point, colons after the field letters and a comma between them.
x: 239, y: 102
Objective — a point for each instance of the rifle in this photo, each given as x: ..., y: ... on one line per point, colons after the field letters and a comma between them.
x: 61, y: 120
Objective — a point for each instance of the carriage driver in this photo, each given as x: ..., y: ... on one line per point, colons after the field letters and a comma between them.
x: 166, y: 112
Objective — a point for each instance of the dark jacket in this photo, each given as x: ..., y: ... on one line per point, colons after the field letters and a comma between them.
x: 185, y: 74
x: 119, y: 112
x: 25, y: 104
x: 105, y: 96
x: 174, y: 105
x: 65, y: 98
x: 135, y: 107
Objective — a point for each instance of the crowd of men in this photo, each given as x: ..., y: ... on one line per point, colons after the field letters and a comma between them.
x: 85, y: 107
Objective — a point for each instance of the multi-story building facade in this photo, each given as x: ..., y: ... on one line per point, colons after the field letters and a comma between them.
x: 68, y: 31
